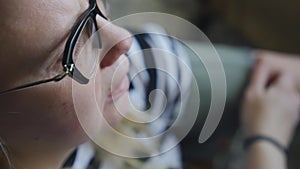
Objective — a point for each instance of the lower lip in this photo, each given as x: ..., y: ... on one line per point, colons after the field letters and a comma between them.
x: 119, y: 90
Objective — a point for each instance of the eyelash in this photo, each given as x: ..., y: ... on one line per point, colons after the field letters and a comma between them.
x: 77, y: 48
x: 80, y: 42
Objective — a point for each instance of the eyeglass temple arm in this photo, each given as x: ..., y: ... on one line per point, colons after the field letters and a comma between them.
x: 54, y: 79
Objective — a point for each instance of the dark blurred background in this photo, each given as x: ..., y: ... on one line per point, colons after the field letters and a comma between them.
x: 268, y: 24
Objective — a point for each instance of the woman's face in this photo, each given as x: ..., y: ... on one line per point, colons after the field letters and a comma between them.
x: 33, y: 37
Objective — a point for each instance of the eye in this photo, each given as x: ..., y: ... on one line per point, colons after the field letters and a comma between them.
x: 90, y: 27
x: 104, y: 7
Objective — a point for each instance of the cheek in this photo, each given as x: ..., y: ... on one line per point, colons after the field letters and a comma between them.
x: 45, y: 113
x: 89, y: 101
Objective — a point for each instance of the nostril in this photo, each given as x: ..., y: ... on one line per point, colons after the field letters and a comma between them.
x: 115, y: 52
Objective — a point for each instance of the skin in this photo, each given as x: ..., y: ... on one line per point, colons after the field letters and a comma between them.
x: 278, y: 62
x: 271, y: 108
x: 40, y: 124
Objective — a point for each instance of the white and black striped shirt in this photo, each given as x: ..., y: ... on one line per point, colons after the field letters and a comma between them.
x: 158, y: 55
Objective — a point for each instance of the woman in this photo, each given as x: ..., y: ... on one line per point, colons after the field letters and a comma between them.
x: 47, y: 41
x: 42, y: 131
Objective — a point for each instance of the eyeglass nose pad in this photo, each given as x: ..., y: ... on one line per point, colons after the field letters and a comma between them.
x: 99, y: 40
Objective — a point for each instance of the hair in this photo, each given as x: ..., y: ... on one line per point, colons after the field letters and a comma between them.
x: 4, y: 156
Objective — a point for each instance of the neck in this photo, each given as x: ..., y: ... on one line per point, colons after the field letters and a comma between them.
x: 35, y: 157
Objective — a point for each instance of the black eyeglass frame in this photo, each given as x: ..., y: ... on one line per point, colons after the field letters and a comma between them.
x: 68, y: 64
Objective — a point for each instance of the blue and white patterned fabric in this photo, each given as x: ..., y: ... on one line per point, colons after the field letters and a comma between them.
x: 166, y: 75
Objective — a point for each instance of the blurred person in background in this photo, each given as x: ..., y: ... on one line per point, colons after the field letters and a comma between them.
x: 270, y: 115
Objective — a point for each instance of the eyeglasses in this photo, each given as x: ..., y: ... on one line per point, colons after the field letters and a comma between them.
x: 82, y: 50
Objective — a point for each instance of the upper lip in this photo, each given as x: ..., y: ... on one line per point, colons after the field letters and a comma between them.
x: 121, y: 66
x: 119, y: 88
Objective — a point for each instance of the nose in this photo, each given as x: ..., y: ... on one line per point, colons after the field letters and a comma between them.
x: 115, y: 41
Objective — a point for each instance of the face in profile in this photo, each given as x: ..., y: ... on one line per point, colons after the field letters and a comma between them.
x: 34, y: 35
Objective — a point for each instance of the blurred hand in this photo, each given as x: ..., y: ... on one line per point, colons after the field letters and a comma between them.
x: 271, y: 105
x: 281, y: 62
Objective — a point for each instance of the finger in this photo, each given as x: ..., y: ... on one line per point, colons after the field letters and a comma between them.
x: 260, y: 76
x: 286, y: 81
